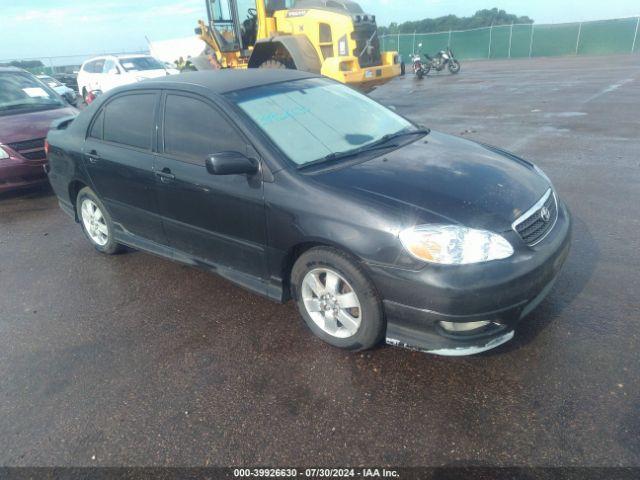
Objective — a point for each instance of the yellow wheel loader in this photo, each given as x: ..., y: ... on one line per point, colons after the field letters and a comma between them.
x: 335, y: 38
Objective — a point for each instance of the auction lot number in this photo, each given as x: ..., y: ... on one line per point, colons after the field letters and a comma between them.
x: 314, y: 473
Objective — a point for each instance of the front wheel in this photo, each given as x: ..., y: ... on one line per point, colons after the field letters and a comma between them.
x: 419, y: 73
x: 454, y: 66
x: 96, y: 222
x: 337, y: 301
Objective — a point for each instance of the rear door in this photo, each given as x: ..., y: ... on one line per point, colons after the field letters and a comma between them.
x: 219, y: 219
x: 119, y: 156
x: 95, y: 77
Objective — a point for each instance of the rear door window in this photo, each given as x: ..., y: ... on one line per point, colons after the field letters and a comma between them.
x: 130, y: 120
x: 193, y: 130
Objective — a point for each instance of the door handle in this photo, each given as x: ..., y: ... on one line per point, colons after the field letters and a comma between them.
x: 93, y: 156
x: 166, y: 175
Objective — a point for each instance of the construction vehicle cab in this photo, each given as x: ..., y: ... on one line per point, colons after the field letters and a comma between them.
x: 335, y: 38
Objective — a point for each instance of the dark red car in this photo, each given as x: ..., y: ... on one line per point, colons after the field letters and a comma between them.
x: 27, y: 108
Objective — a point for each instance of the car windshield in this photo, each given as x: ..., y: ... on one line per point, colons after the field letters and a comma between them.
x: 314, y: 118
x: 22, y: 91
x: 136, y: 64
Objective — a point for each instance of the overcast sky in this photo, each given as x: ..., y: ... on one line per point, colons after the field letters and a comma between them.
x: 43, y: 28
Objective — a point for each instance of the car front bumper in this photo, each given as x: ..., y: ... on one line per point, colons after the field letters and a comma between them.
x: 502, y: 292
x: 18, y: 173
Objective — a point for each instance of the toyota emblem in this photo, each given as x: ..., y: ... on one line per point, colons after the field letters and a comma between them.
x: 545, y: 214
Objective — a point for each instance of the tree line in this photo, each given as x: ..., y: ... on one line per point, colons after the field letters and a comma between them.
x: 482, y: 18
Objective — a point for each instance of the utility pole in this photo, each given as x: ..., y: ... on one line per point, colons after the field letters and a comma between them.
x: 578, y: 40
x: 490, y: 39
x: 635, y: 36
x: 531, y: 41
x: 510, y: 38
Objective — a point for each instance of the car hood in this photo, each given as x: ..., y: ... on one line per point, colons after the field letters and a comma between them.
x: 27, y: 126
x: 447, y: 179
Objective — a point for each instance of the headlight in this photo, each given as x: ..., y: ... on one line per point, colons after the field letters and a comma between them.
x: 543, y: 175
x: 3, y: 154
x: 454, y: 245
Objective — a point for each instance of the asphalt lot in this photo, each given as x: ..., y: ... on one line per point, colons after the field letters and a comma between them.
x: 135, y: 360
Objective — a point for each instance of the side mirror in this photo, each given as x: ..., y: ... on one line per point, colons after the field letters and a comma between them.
x: 231, y: 163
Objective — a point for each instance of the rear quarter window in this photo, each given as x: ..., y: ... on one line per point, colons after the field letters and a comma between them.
x: 96, y: 128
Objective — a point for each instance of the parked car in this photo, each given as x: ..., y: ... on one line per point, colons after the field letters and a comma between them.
x: 105, y: 73
x: 65, y: 92
x: 294, y: 185
x: 69, y: 79
x: 27, y: 108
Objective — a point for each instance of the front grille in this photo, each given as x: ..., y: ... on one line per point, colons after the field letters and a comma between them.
x: 30, y: 149
x: 367, y: 44
x: 533, y: 226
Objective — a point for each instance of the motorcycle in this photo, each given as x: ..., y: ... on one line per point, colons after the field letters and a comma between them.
x: 418, y: 67
x: 444, y: 58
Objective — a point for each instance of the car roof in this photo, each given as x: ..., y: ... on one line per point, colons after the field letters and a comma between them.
x: 227, y: 80
x: 11, y: 69
x: 129, y: 55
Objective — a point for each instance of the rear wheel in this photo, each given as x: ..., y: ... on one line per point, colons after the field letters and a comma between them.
x: 96, y: 222
x: 337, y: 300
x: 420, y: 73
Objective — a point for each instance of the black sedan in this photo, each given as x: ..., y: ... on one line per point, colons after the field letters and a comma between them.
x: 295, y: 186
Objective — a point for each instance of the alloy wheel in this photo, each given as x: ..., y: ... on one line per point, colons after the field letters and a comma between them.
x: 331, y: 302
x: 94, y: 222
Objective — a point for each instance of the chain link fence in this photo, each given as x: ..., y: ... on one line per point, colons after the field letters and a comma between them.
x: 525, y: 40
x: 64, y: 63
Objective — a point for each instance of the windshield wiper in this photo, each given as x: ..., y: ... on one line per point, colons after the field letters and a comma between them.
x: 349, y: 153
x: 380, y: 144
x: 402, y: 133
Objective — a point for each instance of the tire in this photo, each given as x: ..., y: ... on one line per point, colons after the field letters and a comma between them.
x: 276, y: 64
x: 320, y: 307
x: 427, y: 69
x: 97, y: 228
x: 454, y: 66
x: 420, y: 74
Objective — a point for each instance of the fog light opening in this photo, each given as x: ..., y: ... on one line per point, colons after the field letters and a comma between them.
x: 463, y: 326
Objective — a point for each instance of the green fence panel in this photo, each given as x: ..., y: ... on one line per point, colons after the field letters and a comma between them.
x: 471, y: 43
x: 500, y: 41
x: 390, y: 43
x: 432, y: 43
x: 520, y: 41
x: 406, y: 46
x: 607, y: 36
x: 517, y: 41
x: 552, y: 40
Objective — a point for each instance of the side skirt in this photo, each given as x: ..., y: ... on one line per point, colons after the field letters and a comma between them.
x: 249, y: 282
